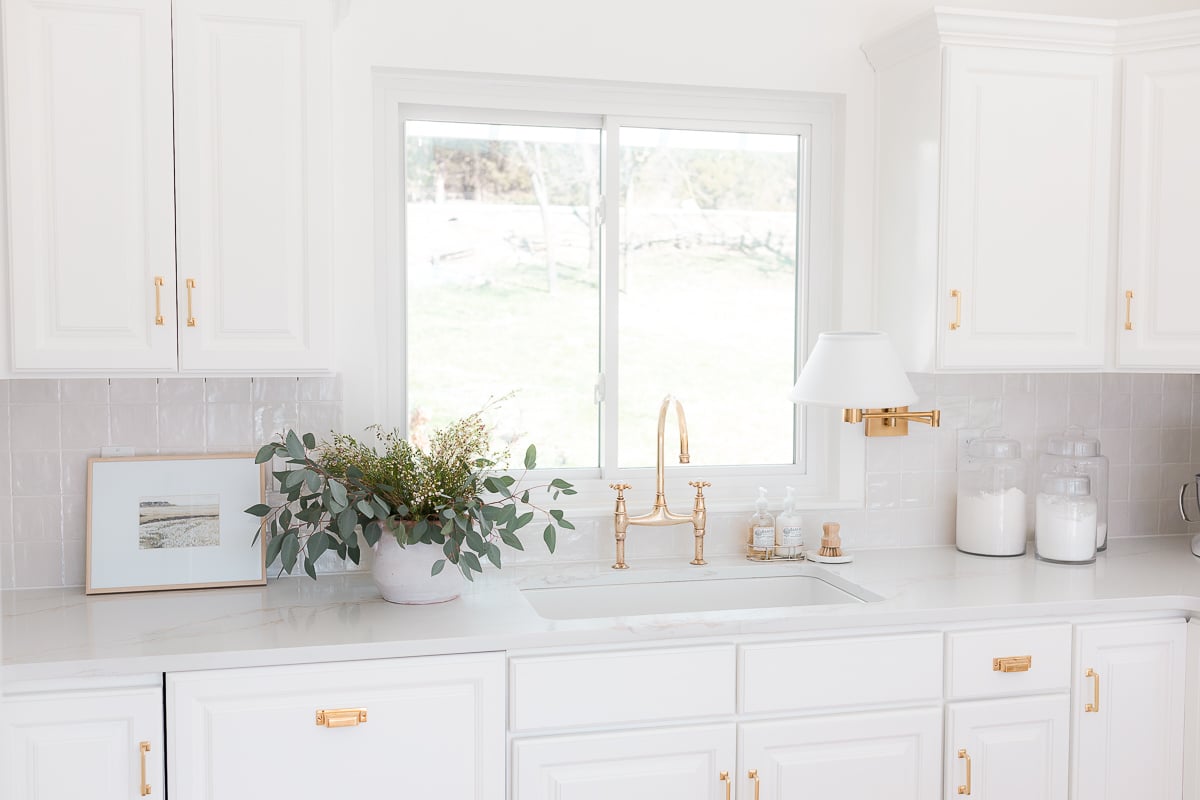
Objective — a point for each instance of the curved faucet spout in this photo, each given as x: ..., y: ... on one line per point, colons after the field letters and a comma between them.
x: 660, y: 496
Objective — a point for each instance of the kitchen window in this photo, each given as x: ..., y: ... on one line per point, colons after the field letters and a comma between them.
x: 592, y: 263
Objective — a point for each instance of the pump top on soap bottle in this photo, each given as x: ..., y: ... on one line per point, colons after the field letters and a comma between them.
x: 789, y: 525
x: 762, y: 526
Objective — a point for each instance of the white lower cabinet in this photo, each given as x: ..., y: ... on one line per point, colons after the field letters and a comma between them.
x: 684, y: 763
x: 99, y: 745
x: 413, y: 727
x: 883, y: 755
x: 1008, y: 748
x: 1128, y: 711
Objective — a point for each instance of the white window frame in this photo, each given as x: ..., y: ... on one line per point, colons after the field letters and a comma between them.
x: 829, y: 469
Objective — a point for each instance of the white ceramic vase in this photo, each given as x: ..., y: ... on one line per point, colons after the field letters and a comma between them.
x: 402, y: 573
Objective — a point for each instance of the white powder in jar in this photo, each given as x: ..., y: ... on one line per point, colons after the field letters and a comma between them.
x: 991, y: 523
x: 1066, y: 528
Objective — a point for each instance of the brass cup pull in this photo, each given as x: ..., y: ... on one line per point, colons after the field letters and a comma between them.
x: 966, y: 787
x: 753, y: 775
x: 340, y: 717
x: 191, y: 318
x: 143, y: 748
x: 158, y: 315
x: 1094, y: 706
x: 1012, y: 664
x: 957, y: 295
x: 1128, y: 309
x: 728, y: 784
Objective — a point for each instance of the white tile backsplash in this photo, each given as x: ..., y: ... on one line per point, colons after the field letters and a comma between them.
x: 49, y: 429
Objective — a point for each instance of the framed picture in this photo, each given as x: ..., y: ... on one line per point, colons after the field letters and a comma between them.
x: 173, y: 522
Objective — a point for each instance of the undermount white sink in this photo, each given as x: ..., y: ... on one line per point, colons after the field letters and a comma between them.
x: 690, y: 596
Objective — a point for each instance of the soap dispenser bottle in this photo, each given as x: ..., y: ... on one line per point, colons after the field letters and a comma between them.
x: 761, y: 536
x: 789, y: 532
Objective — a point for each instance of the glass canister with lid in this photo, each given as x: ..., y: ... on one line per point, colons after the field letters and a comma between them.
x: 1075, y: 452
x: 1065, y: 530
x: 991, y: 517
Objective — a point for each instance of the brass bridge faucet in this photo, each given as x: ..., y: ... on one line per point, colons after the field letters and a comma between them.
x: 660, y: 514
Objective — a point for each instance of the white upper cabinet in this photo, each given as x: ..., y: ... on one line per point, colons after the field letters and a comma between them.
x: 1128, y: 711
x: 1159, y: 283
x: 252, y: 127
x: 1026, y: 155
x: 90, y: 198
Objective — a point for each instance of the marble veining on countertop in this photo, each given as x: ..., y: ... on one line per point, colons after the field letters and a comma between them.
x: 61, y: 633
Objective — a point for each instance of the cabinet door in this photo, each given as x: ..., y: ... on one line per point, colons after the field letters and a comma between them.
x: 683, y: 763
x: 1006, y: 749
x: 1130, y: 743
x: 88, y: 110
x: 252, y: 152
x: 97, y: 745
x: 1160, y: 203
x: 886, y: 755
x: 1026, y: 159
x: 429, y: 728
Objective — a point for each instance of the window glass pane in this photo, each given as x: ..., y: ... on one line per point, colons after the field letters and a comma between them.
x: 503, y: 282
x: 708, y: 271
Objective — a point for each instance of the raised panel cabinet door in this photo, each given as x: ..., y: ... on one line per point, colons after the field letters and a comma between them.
x: 429, y: 727
x: 1006, y: 749
x: 684, y: 763
x: 883, y: 755
x: 103, y: 745
x: 1160, y: 203
x: 1128, y: 711
x: 87, y: 87
x: 1026, y: 161
x: 252, y: 152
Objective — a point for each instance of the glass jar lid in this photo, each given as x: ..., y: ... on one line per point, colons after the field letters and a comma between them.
x: 993, y: 444
x: 1066, y: 485
x: 1073, y: 443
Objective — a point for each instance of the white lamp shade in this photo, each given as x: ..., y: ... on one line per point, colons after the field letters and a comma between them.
x: 854, y: 369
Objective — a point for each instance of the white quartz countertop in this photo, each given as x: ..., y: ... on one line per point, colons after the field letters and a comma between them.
x: 60, y: 633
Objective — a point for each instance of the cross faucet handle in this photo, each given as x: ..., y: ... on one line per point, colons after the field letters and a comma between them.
x: 700, y: 486
x: 620, y: 487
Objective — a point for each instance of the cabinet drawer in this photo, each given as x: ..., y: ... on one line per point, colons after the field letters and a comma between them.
x: 433, y: 724
x: 827, y: 673
x: 1039, y: 659
x: 621, y: 686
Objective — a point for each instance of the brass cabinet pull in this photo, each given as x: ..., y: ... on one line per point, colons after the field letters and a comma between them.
x: 143, y: 748
x: 966, y: 787
x: 340, y: 717
x: 957, y: 295
x: 191, y: 319
x: 1128, y: 309
x: 1012, y: 664
x: 753, y: 775
x: 1093, y: 706
x: 728, y: 784
x: 158, y: 315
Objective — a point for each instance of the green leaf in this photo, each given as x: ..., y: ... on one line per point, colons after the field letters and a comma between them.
x: 493, y: 554
x: 525, y: 496
x: 338, y: 492
x: 346, y: 522
x: 472, y: 561
x: 511, y: 540
x: 265, y: 454
x: 310, y: 568
x: 558, y: 517
x: 354, y: 473
x: 420, y: 530
x: 559, y: 483
x: 314, y: 481
x: 289, y: 550
x: 273, y: 549
x: 259, y: 510
x: 521, y: 521
x: 551, y: 537
x: 365, y: 508
x: 438, y: 566
x: 317, y: 544
x: 309, y: 440
x: 531, y: 457
x: 476, y: 542
x: 354, y: 554
x: 295, y: 447
x: 294, y: 477
x: 285, y: 518
x: 373, y: 532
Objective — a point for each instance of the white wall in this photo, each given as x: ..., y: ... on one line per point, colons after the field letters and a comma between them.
x: 798, y: 45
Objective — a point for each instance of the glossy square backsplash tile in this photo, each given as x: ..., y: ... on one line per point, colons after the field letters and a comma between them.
x: 49, y: 428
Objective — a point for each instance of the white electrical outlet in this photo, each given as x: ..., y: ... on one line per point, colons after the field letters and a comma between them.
x: 113, y: 451
x: 965, y: 435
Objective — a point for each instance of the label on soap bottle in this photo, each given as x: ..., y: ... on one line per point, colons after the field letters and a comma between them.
x: 763, y: 536
x: 791, y: 536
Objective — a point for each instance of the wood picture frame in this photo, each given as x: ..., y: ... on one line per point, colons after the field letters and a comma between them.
x: 173, y: 522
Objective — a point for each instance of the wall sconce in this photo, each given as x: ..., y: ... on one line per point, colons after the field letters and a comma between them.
x: 860, y: 372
